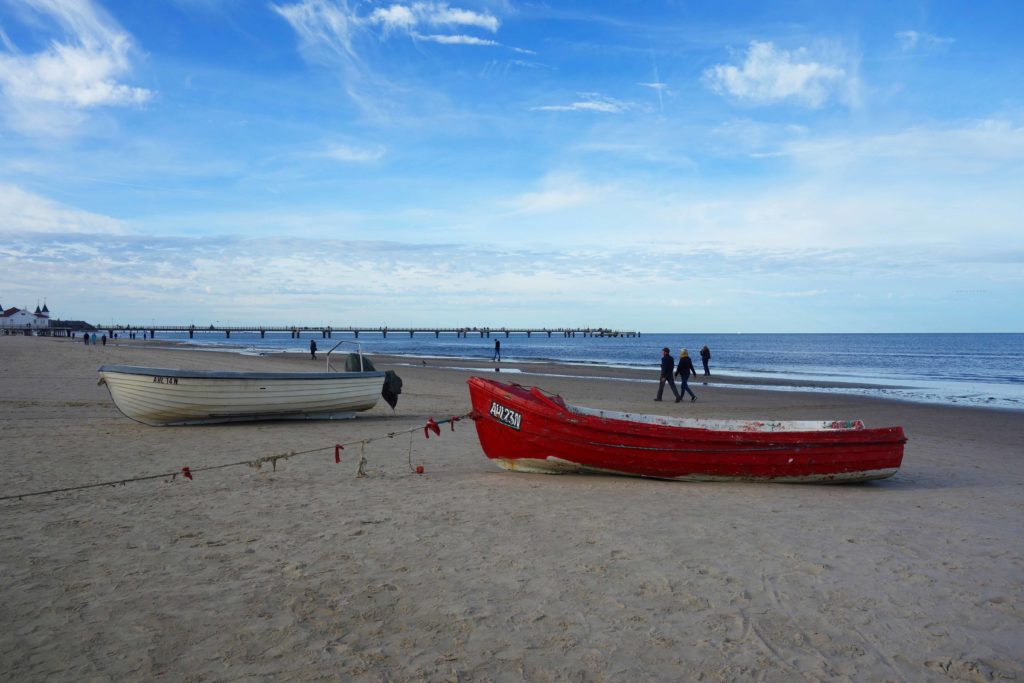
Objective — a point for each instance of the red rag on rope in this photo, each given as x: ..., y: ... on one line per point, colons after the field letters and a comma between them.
x: 338, y: 448
x: 452, y: 421
x: 432, y: 427
x: 187, y: 472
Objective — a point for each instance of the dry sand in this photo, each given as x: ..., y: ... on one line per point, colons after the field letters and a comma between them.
x: 468, y: 572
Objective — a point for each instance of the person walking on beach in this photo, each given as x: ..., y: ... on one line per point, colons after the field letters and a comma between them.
x: 497, y: 350
x: 705, y: 356
x: 684, y: 370
x: 85, y: 338
x: 94, y: 339
x: 312, y: 349
x: 667, y: 364
x: 103, y: 340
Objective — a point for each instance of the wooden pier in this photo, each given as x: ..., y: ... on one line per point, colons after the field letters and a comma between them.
x: 327, y: 332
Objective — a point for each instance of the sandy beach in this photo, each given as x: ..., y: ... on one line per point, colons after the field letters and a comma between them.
x: 468, y: 572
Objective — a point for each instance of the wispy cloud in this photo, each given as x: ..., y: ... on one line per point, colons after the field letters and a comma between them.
x: 769, y: 75
x: 342, y: 152
x: 592, y: 102
x: 333, y: 33
x: 557, y: 193
x: 446, y: 39
x: 968, y: 149
x: 914, y: 40
x: 80, y: 70
x: 326, y: 29
x: 329, y: 28
x: 25, y: 212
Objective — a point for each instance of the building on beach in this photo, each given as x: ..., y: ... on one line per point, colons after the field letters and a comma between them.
x: 24, y: 321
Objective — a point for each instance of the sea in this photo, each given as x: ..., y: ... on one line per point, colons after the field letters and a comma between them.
x: 983, y: 370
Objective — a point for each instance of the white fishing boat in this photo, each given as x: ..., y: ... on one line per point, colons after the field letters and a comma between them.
x: 163, y: 396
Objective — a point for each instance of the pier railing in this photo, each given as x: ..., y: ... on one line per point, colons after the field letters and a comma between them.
x: 328, y: 331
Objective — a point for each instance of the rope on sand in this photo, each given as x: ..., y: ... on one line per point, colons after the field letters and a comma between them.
x: 258, y: 463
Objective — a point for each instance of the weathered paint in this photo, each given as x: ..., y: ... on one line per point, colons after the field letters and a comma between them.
x: 553, y: 465
x: 554, y: 437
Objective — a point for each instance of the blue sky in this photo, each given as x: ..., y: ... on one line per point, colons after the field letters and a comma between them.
x: 660, y: 166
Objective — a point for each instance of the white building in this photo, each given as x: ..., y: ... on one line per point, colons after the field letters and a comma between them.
x: 22, y: 319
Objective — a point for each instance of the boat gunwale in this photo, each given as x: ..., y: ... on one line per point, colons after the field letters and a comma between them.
x: 611, y: 422
x: 225, y: 374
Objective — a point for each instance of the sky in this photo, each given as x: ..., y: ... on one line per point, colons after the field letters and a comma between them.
x: 672, y: 166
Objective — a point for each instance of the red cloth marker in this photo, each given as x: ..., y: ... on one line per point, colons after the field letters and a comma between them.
x: 187, y: 473
x: 338, y: 448
x: 432, y: 427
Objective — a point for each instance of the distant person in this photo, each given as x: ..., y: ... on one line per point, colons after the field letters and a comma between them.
x: 497, y: 350
x: 85, y: 338
x: 312, y: 348
x: 667, y: 365
x: 94, y: 339
x: 684, y: 371
x: 103, y: 340
x: 705, y: 356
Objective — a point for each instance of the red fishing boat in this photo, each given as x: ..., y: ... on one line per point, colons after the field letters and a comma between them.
x: 528, y: 430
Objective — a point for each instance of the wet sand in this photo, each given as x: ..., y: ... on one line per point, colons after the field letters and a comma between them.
x: 467, y: 572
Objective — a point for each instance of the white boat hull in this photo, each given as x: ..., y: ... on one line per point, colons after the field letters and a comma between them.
x: 157, y: 396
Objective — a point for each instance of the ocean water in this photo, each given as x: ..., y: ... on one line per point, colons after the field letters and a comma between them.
x: 965, y: 369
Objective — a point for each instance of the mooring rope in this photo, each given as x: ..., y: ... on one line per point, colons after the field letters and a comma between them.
x: 187, y: 471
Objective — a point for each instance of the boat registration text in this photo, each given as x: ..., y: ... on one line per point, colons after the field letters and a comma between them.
x: 506, y: 416
x: 165, y: 380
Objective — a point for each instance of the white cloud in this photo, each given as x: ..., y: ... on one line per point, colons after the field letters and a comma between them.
x: 590, y: 102
x: 79, y: 71
x: 407, y: 17
x: 442, y: 14
x: 25, y: 212
x: 394, y: 17
x: 142, y: 278
x: 770, y: 75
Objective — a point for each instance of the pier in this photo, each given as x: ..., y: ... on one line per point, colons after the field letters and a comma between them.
x: 328, y: 331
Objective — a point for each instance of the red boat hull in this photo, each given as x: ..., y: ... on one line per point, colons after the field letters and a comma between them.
x: 524, y: 429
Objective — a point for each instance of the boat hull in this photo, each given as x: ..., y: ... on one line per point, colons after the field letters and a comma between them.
x: 159, y: 396
x: 526, y: 430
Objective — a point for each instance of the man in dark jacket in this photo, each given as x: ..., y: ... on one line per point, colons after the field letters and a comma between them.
x: 668, y: 365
